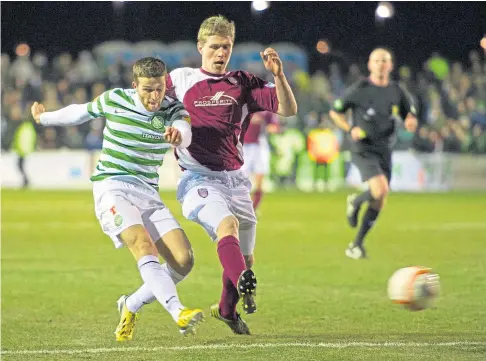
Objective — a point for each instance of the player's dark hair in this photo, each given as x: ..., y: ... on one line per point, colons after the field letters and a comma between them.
x: 148, y: 67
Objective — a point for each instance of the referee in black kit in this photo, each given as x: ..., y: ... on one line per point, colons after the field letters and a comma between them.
x: 377, y: 104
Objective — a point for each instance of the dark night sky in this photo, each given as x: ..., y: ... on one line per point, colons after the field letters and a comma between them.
x: 418, y: 28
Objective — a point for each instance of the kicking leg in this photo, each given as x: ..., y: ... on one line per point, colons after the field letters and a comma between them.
x: 158, y: 280
x: 175, y: 248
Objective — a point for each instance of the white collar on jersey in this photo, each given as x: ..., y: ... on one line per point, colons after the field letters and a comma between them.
x: 212, y: 74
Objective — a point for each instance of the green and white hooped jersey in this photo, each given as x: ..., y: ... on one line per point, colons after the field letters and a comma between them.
x: 133, y: 138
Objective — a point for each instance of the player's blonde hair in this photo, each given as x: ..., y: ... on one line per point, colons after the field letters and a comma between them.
x: 148, y: 67
x: 216, y: 25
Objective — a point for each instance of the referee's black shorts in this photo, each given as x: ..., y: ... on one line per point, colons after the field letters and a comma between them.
x: 371, y: 164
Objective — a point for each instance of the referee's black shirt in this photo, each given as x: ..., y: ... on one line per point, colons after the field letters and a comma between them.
x: 376, y: 110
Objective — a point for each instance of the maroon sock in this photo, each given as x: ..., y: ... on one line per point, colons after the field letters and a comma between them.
x: 229, y: 299
x: 231, y: 258
x: 256, y: 198
x: 233, y: 264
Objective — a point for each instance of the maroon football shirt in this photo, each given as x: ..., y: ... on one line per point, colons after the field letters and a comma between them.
x: 220, y: 106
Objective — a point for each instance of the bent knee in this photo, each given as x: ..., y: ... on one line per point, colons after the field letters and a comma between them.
x: 380, y: 196
x: 228, y: 227
x: 184, y: 262
x: 138, y: 241
x: 380, y: 190
x: 379, y: 202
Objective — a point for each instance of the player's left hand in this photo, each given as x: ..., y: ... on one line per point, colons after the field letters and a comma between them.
x: 411, y: 123
x: 173, y: 136
x: 272, y: 62
x: 36, y: 110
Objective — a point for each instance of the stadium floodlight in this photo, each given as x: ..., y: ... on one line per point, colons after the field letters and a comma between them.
x: 385, y: 10
x: 22, y: 49
x: 323, y: 47
x: 260, y: 5
x: 483, y: 43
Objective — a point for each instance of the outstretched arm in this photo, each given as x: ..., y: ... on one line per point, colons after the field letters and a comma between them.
x: 71, y: 115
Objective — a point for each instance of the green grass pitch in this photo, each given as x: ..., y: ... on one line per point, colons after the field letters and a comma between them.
x: 61, y: 277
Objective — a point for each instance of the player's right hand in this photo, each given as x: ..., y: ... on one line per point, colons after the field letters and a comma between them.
x: 357, y: 133
x: 36, y: 110
x: 173, y: 136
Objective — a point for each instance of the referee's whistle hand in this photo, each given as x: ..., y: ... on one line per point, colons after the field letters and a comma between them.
x: 357, y: 133
x: 410, y: 123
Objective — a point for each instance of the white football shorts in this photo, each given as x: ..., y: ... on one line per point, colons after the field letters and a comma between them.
x: 121, y: 202
x: 209, y: 197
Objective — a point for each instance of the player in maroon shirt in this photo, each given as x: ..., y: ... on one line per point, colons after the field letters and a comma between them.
x: 257, y: 151
x: 213, y: 190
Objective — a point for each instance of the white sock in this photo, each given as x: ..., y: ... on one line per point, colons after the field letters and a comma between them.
x: 160, y: 284
x: 143, y: 296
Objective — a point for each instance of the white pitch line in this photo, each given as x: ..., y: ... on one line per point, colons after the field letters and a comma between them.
x: 224, y: 346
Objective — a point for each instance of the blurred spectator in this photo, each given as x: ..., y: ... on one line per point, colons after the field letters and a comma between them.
x: 73, y: 139
x: 354, y: 74
x: 336, y: 79
x: 48, y: 140
x: 97, y: 89
x: 438, y: 65
x: 50, y: 99
x: 87, y: 71
x: 436, y: 140
x: 62, y: 66
x: 478, y: 140
x: 6, y: 78
x: 94, y: 139
x: 63, y: 89
x: 450, y: 142
x: 24, y: 141
x: 421, y: 141
x: 450, y: 99
x: 478, y: 115
x: 405, y: 79
x: 21, y: 71
x: 41, y: 64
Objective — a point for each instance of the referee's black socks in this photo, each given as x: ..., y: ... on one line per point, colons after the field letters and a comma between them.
x: 367, y: 222
x: 362, y: 198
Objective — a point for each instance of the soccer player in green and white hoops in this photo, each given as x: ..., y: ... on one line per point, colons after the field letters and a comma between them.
x: 141, y: 125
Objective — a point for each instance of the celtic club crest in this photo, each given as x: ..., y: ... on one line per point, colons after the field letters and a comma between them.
x: 157, y: 122
x: 118, y: 220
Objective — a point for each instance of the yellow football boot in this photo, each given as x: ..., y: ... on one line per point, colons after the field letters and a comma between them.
x: 124, y: 330
x: 189, y: 319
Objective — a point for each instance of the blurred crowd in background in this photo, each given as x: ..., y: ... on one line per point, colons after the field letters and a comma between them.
x: 450, y: 97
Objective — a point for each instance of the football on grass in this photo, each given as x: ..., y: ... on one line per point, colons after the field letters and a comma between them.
x: 416, y: 288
